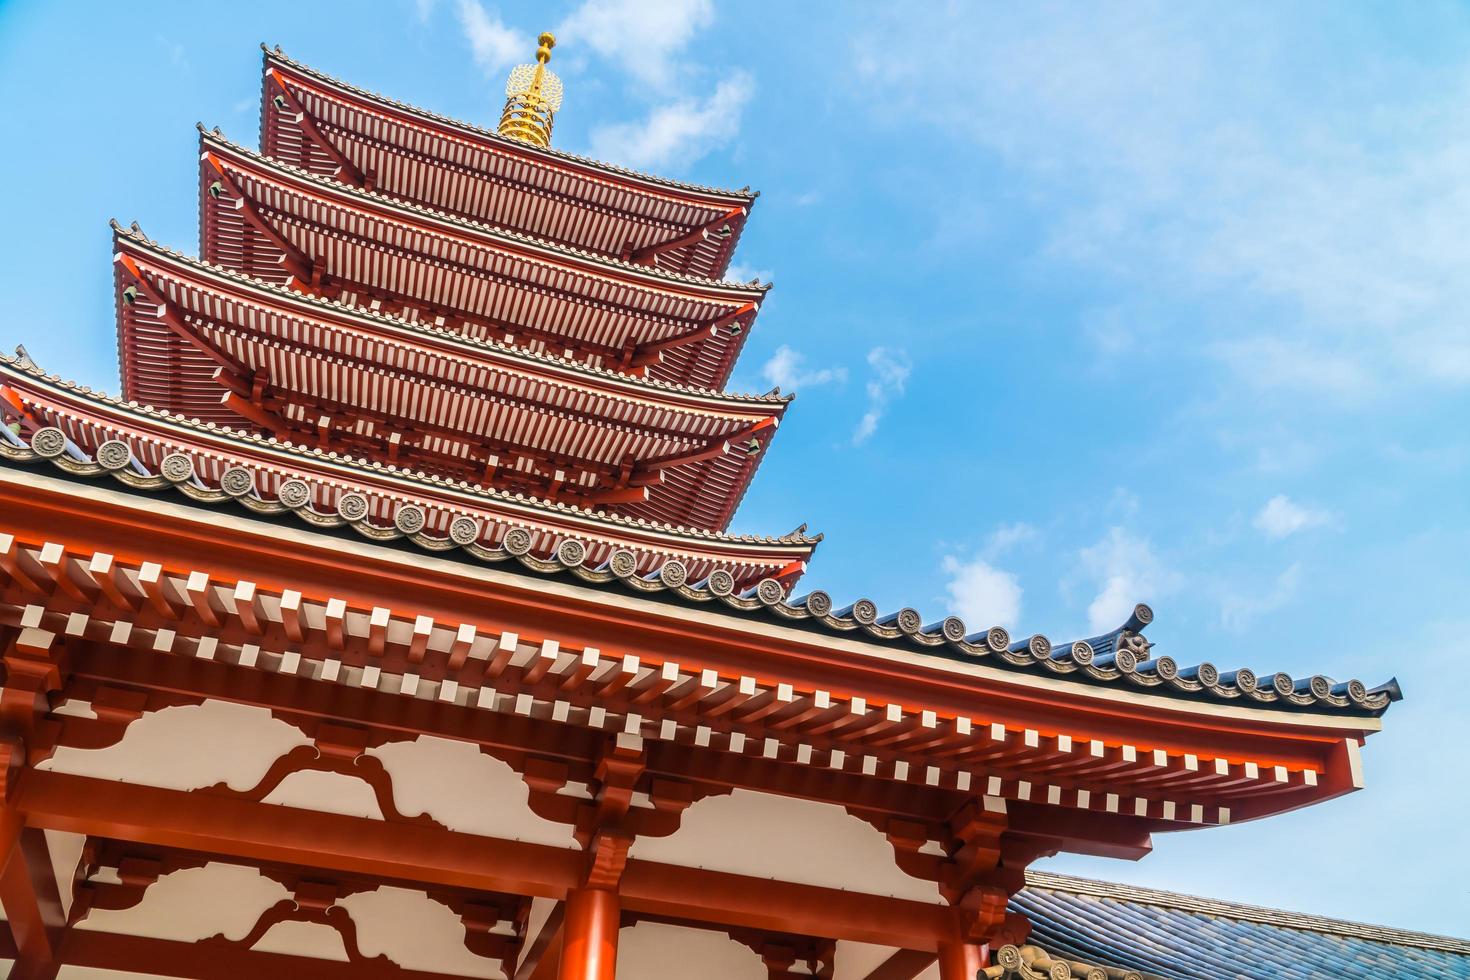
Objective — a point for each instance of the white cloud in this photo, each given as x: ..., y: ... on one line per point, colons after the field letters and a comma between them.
x: 785, y: 371
x: 1281, y: 517
x: 981, y: 594
x: 890, y: 370
x: 1238, y: 612
x: 1126, y: 571
x: 738, y: 272
x: 679, y: 132
x: 642, y: 35
x: 495, y: 46
x: 1303, y: 184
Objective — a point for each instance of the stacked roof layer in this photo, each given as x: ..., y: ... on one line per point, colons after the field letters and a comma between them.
x: 1179, y: 937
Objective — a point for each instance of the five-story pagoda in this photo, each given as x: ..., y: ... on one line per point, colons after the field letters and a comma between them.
x: 389, y: 626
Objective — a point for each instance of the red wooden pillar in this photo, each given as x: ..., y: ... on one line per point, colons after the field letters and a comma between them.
x: 590, y: 935
x: 959, y: 960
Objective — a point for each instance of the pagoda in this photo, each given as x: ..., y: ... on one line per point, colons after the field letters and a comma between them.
x: 389, y: 623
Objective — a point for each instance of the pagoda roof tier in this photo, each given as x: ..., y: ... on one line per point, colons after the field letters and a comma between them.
x: 784, y: 689
x: 1120, y: 659
x: 337, y: 130
x: 285, y: 225
x: 214, y: 464
x: 300, y: 367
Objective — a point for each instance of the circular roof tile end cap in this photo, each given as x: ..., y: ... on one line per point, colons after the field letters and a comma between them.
x: 571, y: 553
x: 1082, y: 653
x: 673, y: 573
x: 48, y: 443
x: 818, y: 603
x: 293, y: 494
x: 517, y: 542
x: 237, y: 481
x: 770, y: 592
x: 409, y: 519
x: 721, y: 583
x: 177, y: 468
x: 114, y: 455
x: 1039, y: 647
x: 623, y: 563
x: 909, y: 621
x: 953, y: 629
x: 865, y: 612
x: 1141, y: 617
x: 464, y: 530
x: 352, y: 507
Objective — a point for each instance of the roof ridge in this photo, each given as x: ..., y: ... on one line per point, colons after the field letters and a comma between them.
x: 612, y: 168
x: 139, y: 236
x: 412, y: 476
x: 655, y: 271
x: 1245, y: 912
x: 946, y: 639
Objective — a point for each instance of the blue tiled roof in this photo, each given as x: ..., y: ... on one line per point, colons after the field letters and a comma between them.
x: 1180, y: 937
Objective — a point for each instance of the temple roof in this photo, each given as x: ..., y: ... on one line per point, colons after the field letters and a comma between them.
x: 282, y: 224
x: 336, y: 129
x: 1181, y: 937
x: 428, y: 397
x: 493, y: 520
x: 1131, y: 665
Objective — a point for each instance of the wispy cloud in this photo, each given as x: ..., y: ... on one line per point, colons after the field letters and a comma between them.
x: 739, y: 272
x: 1125, y: 570
x: 1317, y: 214
x: 1282, y: 517
x: 786, y: 371
x: 890, y: 369
x: 678, y: 132
x: 1237, y: 612
x: 494, y: 45
x: 642, y: 36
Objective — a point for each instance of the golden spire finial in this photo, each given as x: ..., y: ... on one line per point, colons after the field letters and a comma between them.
x: 532, y: 97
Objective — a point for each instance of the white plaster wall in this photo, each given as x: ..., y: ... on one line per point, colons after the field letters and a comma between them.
x: 194, y: 904
x: 66, y: 853
x: 330, y: 792
x: 466, y: 790
x: 653, y: 951
x: 787, y: 839
x: 188, y: 747
x: 415, y: 932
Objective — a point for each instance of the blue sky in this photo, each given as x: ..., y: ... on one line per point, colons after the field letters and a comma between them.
x: 1084, y: 304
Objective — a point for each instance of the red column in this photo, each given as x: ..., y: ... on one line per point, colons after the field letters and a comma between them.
x: 590, y: 935
x: 960, y: 960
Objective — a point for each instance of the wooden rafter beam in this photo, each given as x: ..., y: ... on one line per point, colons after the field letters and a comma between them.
x: 431, y: 855
x: 32, y: 901
x: 648, y: 254
x: 539, y: 961
x: 173, y: 320
x: 304, y: 119
x: 650, y: 352
x: 906, y: 964
x: 294, y: 261
x: 216, y: 960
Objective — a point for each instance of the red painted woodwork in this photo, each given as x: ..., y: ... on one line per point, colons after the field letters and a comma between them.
x: 960, y: 960
x: 590, y: 935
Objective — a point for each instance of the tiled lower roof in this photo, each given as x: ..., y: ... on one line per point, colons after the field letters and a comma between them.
x: 1183, y: 937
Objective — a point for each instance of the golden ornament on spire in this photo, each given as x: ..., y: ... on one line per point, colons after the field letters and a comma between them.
x: 532, y: 97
